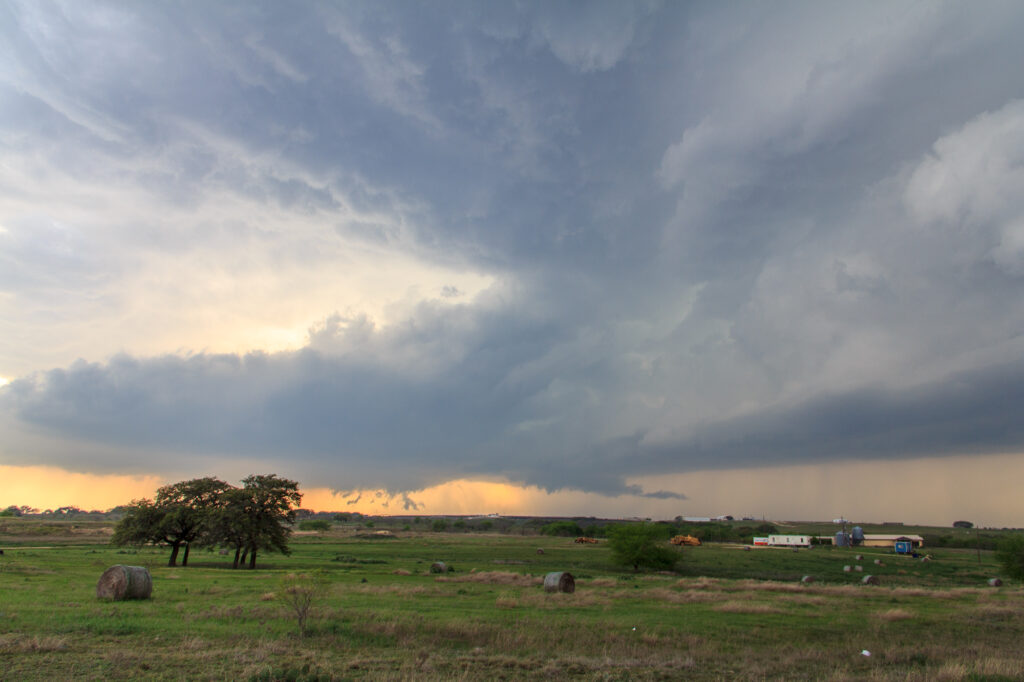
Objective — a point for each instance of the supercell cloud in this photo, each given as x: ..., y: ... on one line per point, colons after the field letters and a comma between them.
x: 564, y: 244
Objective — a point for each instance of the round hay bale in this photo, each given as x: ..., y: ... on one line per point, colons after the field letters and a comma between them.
x: 559, y: 581
x: 438, y: 567
x: 859, y: 569
x: 878, y: 562
x: 847, y: 568
x: 859, y: 557
x: 995, y: 582
x: 223, y: 552
x: 870, y: 580
x: 540, y: 551
x: 807, y: 579
x: 747, y: 548
x: 125, y: 582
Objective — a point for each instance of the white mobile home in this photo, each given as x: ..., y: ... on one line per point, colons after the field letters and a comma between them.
x: 789, y: 540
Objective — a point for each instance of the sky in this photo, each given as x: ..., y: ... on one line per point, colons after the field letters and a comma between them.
x: 585, y: 258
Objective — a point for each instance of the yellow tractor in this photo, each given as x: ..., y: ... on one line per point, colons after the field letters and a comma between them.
x: 688, y: 540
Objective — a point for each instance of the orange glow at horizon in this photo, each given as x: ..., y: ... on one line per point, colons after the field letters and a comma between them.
x: 933, y: 491
x: 46, y: 487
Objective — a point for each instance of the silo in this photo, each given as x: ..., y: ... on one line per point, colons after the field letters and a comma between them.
x: 858, y: 535
x: 842, y: 539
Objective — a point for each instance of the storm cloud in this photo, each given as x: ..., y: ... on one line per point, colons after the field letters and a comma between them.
x: 563, y: 244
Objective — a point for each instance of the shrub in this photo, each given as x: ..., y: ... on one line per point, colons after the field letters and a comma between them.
x: 641, y: 545
x: 300, y: 592
x: 563, y: 528
x: 314, y: 524
x: 440, y: 525
x: 1011, y: 556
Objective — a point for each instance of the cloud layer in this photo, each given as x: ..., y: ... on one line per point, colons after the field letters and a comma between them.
x: 566, y: 245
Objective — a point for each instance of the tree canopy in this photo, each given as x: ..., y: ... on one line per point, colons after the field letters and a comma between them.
x: 211, y: 512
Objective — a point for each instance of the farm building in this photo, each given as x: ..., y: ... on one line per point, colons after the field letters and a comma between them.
x: 789, y: 540
x: 761, y: 542
x: 890, y: 541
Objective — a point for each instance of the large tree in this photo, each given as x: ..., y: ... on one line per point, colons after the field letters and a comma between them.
x: 180, y: 515
x: 141, y: 524
x: 188, y: 506
x: 265, y: 510
x: 229, y: 522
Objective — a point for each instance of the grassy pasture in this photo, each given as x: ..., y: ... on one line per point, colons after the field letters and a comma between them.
x: 728, y: 613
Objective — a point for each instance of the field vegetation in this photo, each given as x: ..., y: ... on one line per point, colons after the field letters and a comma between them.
x: 352, y: 603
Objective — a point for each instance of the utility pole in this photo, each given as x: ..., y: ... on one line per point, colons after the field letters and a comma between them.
x: 977, y: 543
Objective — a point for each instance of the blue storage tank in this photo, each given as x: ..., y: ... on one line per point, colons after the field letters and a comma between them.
x: 858, y: 535
x: 842, y: 539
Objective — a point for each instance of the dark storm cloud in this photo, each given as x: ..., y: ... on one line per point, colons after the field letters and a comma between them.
x: 716, y: 235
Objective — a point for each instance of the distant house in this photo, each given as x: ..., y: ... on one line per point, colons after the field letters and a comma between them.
x: 890, y: 541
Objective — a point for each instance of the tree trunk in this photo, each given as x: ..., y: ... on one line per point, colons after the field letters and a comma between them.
x: 184, y: 559
x: 245, y: 553
x: 252, y: 559
x: 238, y: 552
x: 174, y: 554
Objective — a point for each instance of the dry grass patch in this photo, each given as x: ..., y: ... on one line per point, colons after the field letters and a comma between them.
x: 995, y: 612
x: 20, y: 644
x: 395, y: 589
x: 804, y: 600
x: 671, y: 596
x: 600, y: 582
x: 894, y: 615
x: 746, y: 607
x: 932, y: 594
x: 495, y: 578
x: 507, y: 600
x: 543, y: 600
x: 401, y: 571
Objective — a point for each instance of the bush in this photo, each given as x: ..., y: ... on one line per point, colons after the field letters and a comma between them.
x: 564, y: 528
x: 641, y: 545
x: 300, y: 592
x: 314, y: 524
x: 440, y: 525
x: 1011, y: 556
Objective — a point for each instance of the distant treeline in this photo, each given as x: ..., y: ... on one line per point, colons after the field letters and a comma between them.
x: 706, y: 532
x: 711, y: 531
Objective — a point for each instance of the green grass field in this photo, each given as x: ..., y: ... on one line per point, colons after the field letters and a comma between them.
x: 727, y: 613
